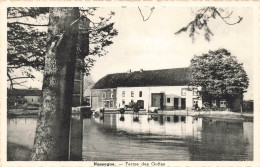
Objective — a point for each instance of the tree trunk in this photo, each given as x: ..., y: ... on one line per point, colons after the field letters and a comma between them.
x: 52, y: 132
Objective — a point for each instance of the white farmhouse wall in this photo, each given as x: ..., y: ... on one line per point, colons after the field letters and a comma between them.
x: 33, y: 99
x: 189, y: 99
x: 170, y: 92
x: 127, y: 98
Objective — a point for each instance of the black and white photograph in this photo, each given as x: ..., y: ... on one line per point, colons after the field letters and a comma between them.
x: 130, y: 85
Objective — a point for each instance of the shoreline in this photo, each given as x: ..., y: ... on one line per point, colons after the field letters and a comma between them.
x: 224, y: 115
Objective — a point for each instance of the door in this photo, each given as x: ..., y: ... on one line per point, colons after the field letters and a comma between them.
x: 183, y: 103
x: 106, y: 104
x: 140, y: 104
x: 176, y: 103
x: 157, y: 100
x: 195, y: 101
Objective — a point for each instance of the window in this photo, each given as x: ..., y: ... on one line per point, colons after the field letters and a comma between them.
x: 123, y: 102
x: 140, y: 93
x: 214, y: 102
x: 183, y: 91
x: 131, y: 103
x: 123, y: 94
x: 112, y: 94
x: 195, y: 101
x: 195, y: 92
x: 111, y: 104
x: 222, y: 103
x: 104, y: 95
x: 132, y: 93
x: 168, y: 100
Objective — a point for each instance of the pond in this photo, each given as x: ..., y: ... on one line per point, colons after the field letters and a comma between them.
x: 133, y: 137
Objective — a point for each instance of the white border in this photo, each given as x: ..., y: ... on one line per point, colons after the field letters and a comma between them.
x: 3, y: 85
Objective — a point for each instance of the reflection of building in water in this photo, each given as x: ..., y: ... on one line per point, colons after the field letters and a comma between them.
x: 113, y: 120
x: 196, y: 138
x: 185, y: 127
x: 122, y: 118
x: 109, y: 120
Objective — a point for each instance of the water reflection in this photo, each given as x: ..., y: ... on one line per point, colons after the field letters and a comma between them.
x: 224, y: 139
x: 139, y: 137
x: 163, y: 125
x: 122, y: 118
x: 21, y: 131
x: 136, y: 118
x: 166, y: 138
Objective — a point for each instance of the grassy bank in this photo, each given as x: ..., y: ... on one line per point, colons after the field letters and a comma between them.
x: 22, y: 112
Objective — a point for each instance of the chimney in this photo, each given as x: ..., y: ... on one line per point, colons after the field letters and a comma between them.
x: 141, y: 70
x: 129, y: 71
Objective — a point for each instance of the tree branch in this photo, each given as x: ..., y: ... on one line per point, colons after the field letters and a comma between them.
x: 228, y: 15
x: 201, y: 19
x: 184, y: 29
x: 17, y: 17
x: 28, y: 24
x: 143, y: 15
x: 19, y: 83
x: 11, y: 81
x: 223, y: 18
x: 19, y: 78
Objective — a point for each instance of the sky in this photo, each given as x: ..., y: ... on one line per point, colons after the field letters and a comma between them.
x: 152, y: 44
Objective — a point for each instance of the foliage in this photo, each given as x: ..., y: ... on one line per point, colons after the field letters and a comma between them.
x: 100, y: 34
x: 12, y: 99
x: 27, y: 40
x: 21, y: 12
x: 26, y: 43
x: 201, y: 20
x: 218, y: 74
x: 88, y: 84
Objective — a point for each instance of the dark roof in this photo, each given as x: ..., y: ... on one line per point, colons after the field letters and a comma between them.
x: 165, y: 77
x: 24, y: 92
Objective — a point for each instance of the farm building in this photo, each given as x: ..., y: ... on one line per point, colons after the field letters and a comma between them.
x: 166, y: 89
x: 32, y: 96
